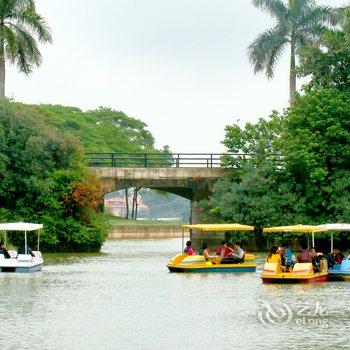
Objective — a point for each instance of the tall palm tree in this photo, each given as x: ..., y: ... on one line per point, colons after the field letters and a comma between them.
x: 298, y: 23
x: 19, y: 25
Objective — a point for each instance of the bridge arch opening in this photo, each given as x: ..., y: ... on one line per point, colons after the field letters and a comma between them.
x: 147, y: 204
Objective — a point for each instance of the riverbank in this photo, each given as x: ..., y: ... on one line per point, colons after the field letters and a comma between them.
x: 145, y: 231
x: 122, y: 228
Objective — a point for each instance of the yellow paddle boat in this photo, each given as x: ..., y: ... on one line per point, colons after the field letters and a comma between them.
x: 197, y: 263
x: 273, y: 272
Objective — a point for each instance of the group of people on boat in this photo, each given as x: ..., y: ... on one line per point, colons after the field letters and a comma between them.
x: 284, y: 256
x: 335, y: 258
x: 21, y: 250
x: 227, y: 252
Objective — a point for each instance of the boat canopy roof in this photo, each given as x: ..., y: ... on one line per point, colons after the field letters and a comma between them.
x: 20, y: 226
x: 336, y: 227
x: 219, y: 227
x: 295, y: 228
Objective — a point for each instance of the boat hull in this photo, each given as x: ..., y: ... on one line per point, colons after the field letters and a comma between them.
x: 24, y: 263
x: 301, y: 273
x: 285, y: 280
x: 340, y: 272
x: 216, y: 269
x: 197, y: 264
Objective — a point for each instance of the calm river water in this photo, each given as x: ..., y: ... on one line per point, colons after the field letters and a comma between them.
x: 125, y: 298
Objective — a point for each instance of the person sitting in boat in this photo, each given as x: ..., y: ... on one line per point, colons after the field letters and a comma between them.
x: 206, y: 252
x: 337, y: 256
x: 316, y: 259
x: 223, y: 251
x: 281, y: 250
x: 22, y: 250
x: 237, y: 254
x: 189, y: 249
x: 273, y: 255
x: 304, y: 256
x: 287, y: 258
x: 4, y: 251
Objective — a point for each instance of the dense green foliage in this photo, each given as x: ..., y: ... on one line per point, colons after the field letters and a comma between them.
x: 44, y: 175
x: 43, y: 179
x: 101, y: 130
x: 299, y: 171
x: 329, y: 66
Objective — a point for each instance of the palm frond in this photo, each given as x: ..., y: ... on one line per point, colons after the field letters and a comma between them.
x: 341, y: 18
x: 276, y: 8
x: 266, y: 49
x: 35, y: 23
x: 24, y: 50
x: 8, y: 37
x: 9, y: 7
x: 315, y: 15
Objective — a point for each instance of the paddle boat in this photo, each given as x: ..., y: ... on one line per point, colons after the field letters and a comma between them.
x: 300, y: 272
x: 338, y: 272
x: 197, y: 263
x: 21, y: 262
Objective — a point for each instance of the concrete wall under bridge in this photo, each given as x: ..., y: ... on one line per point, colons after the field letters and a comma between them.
x: 192, y: 183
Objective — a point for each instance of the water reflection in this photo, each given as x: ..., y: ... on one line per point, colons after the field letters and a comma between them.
x: 124, y: 298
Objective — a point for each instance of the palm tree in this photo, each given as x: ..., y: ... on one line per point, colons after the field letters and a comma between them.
x: 298, y: 23
x: 342, y: 18
x: 19, y: 25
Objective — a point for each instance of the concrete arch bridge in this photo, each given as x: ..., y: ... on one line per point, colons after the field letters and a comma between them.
x: 190, y: 175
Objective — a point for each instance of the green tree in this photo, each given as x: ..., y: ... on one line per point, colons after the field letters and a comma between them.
x: 330, y: 66
x: 43, y: 178
x: 257, y: 140
x: 311, y: 183
x: 316, y: 149
x: 19, y: 25
x: 298, y: 23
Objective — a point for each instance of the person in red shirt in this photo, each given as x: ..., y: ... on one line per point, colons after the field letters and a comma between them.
x: 223, y: 251
x: 189, y: 249
x: 305, y: 256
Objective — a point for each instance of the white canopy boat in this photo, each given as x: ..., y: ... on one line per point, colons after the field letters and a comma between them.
x: 339, y: 271
x: 21, y: 262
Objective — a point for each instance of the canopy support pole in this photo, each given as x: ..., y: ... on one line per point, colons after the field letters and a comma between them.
x: 182, y: 245
x: 25, y: 242
x: 5, y: 238
x: 313, y: 239
x: 332, y: 243
x: 38, y: 241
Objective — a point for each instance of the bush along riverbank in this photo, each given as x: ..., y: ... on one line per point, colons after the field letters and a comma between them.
x: 44, y: 179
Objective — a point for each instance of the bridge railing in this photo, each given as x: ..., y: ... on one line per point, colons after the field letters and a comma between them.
x: 160, y: 160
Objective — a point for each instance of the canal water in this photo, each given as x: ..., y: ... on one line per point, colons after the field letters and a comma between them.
x: 124, y: 298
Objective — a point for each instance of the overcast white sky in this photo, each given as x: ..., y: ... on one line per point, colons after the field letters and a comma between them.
x: 178, y: 65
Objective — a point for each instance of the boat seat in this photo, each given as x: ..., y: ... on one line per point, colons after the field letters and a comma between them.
x: 24, y: 257
x: 271, y: 268
x: 303, y: 268
x: 37, y: 253
x: 2, y: 257
x: 345, y: 265
x: 193, y: 259
x: 249, y: 257
x: 13, y: 254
